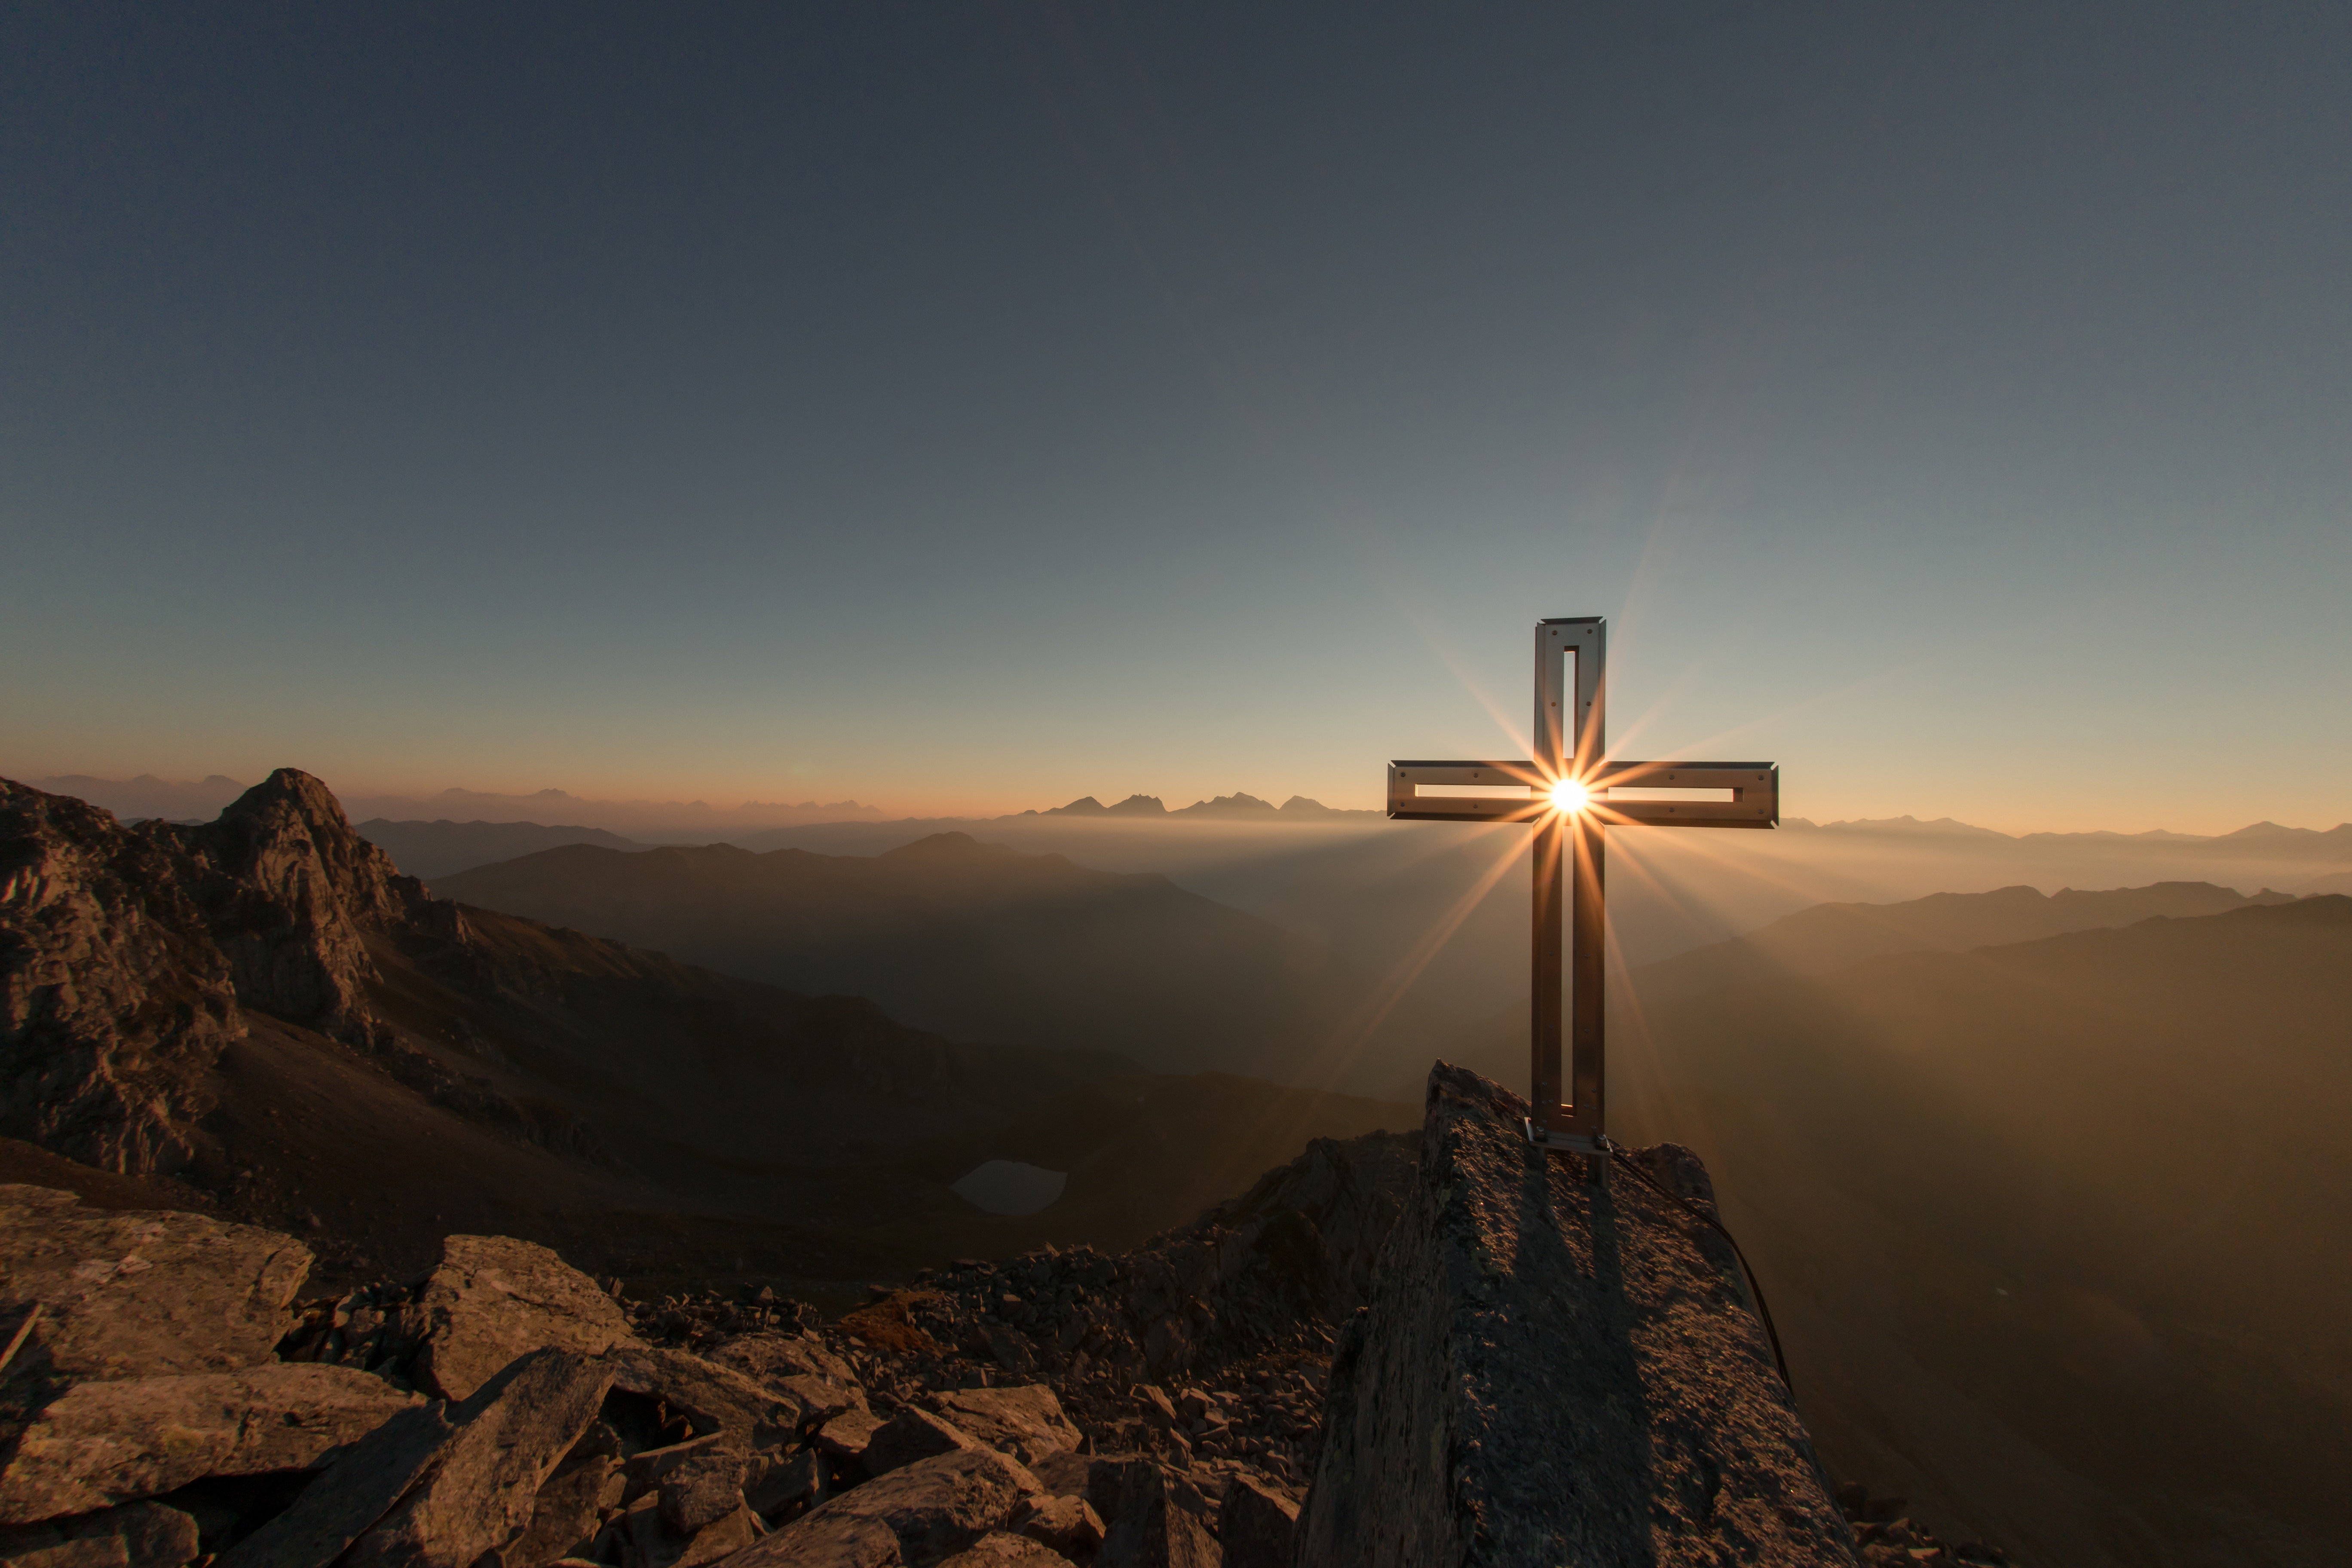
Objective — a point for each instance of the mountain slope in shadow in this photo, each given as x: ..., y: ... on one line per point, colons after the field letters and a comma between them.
x: 2055, y: 1229
x: 972, y: 940
x: 260, y: 1013
x: 1826, y: 937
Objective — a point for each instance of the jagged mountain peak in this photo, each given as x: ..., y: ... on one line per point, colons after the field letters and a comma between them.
x: 288, y: 829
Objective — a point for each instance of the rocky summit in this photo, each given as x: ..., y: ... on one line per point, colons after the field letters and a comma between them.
x: 1397, y: 1349
x: 1331, y: 1369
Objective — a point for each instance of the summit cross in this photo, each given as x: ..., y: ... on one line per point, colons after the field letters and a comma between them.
x: 1573, y: 793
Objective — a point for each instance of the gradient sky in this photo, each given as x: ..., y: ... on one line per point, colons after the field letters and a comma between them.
x: 969, y: 407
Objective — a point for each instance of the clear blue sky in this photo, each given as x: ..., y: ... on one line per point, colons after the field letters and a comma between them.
x: 974, y: 406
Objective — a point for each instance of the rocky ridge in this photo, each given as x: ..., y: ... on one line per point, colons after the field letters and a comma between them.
x: 1163, y: 1406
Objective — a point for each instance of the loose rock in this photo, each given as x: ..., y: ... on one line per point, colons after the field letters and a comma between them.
x: 715, y: 1399
x: 357, y: 1491
x: 135, y: 1294
x: 511, y: 1436
x: 104, y: 1443
x: 996, y: 1548
x: 934, y: 1508
x: 494, y: 1298
x: 140, y: 1535
x: 912, y: 1434
x: 1026, y: 1423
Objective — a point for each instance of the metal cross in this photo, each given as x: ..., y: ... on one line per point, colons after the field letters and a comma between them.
x: 1572, y: 792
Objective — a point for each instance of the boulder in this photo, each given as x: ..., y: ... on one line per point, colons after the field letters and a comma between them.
x: 130, y: 1294
x: 359, y: 1488
x: 1257, y: 1525
x: 723, y: 1537
x: 996, y: 1548
x: 1067, y: 1524
x: 933, y: 1508
x: 913, y: 1434
x: 139, y: 1535
x: 846, y: 1438
x: 1065, y: 1475
x: 1026, y: 1422
x: 1163, y: 1523
x: 844, y: 1540
x: 1553, y: 1369
x: 821, y: 1398
x: 712, y: 1397
x: 104, y: 1443
x: 701, y: 1491
x: 771, y: 1357
x: 773, y: 1483
x: 645, y: 1468
x: 494, y: 1298
x: 572, y: 1502
x: 511, y: 1436
x: 1157, y: 1407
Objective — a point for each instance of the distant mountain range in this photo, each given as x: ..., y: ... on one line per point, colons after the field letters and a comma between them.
x: 149, y: 797
x: 1237, y: 806
x: 974, y: 941
x: 430, y: 849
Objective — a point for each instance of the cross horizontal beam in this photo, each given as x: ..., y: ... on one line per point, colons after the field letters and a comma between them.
x: 1674, y: 794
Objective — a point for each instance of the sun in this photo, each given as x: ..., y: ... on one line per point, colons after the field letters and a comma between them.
x: 1569, y: 795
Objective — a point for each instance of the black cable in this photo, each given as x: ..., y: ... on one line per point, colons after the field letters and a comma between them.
x: 1755, y: 1286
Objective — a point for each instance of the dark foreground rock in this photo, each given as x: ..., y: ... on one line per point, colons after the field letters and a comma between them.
x: 1554, y: 1370
x: 105, y: 1443
x: 1006, y: 1413
x: 142, y: 1292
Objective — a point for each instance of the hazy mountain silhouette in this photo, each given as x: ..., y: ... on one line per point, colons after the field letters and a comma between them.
x: 664, y: 819
x: 973, y: 941
x: 1235, y: 806
x: 148, y: 797
x: 436, y: 848
x: 1830, y: 936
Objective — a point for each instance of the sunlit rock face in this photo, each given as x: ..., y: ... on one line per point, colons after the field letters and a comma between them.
x: 1552, y: 1369
x: 1011, y: 1187
x: 129, y: 954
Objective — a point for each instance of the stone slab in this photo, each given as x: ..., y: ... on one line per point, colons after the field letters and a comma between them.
x: 356, y: 1491
x: 494, y: 1298
x: 134, y: 1294
x: 934, y: 1508
x: 510, y: 1436
x: 1025, y: 1422
x: 712, y: 1397
x: 105, y: 1443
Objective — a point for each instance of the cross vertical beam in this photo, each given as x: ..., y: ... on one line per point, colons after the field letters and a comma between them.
x: 1571, y: 792
x: 1570, y: 878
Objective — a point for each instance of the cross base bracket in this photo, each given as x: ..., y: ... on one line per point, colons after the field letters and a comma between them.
x: 1567, y: 1143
